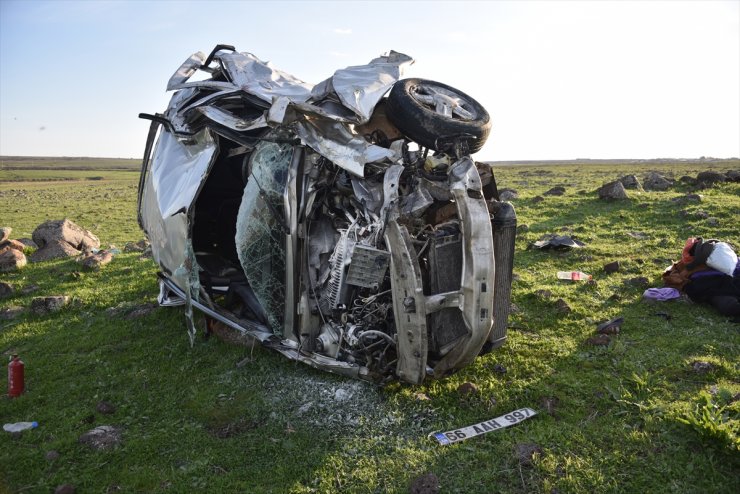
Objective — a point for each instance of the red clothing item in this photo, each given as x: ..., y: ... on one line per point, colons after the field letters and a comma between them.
x: 685, y: 256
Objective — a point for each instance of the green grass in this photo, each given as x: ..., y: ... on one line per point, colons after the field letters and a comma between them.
x: 631, y: 417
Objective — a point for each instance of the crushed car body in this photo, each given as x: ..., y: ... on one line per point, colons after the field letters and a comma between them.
x: 343, y: 224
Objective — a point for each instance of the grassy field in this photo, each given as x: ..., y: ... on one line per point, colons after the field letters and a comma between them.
x: 635, y: 416
x: 80, y: 163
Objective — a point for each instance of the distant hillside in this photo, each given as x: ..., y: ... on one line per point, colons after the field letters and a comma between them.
x: 67, y: 163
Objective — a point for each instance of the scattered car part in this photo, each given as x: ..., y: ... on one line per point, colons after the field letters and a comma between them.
x: 560, y: 242
x: 507, y: 420
x: 612, y: 326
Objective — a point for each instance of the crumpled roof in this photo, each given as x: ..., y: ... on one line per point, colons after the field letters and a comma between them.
x: 320, y: 115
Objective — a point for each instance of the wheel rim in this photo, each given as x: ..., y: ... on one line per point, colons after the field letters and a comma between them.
x: 444, y: 102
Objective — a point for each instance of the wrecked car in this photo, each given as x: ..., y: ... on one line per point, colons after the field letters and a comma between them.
x: 343, y: 224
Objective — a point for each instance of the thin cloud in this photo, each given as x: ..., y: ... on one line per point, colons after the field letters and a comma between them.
x: 342, y: 31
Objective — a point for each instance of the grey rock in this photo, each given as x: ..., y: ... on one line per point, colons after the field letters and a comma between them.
x: 47, y: 305
x: 5, y: 232
x: 11, y: 259
x: 30, y: 289
x: 55, y: 250
x: 733, y: 176
x: 612, y: 191
x: 638, y: 281
x: 6, y: 290
x: 562, y: 306
x: 687, y: 199
x: 612, y: 267
x: 702, y: 215
x: 11, y: 312
x: 507, y: 194
x: 97, y: 260
x: 105, y: 408
x: 62, y: 238
x: 468, y: 388
x: 701, y: 367
x: 28, y: 243
x: 102, y: 437
x: 631, y: 182
x: 13, y: 244
x: 555, y: 191
x: 709, y: 178
x: 656, y: 181
x: 139, y: 246
x: 65, y: 489
x: 537, y: 199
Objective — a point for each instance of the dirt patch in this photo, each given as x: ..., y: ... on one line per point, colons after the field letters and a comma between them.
x: 426, y: 484
x: 231, y: 429
x: 102, y: 437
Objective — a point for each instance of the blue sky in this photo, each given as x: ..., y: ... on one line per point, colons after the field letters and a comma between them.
x: 561, y: 80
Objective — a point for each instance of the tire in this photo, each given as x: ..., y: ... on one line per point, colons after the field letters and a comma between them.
x: 411, y: 108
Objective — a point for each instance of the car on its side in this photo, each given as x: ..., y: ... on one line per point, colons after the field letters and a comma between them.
x: 343, y: 224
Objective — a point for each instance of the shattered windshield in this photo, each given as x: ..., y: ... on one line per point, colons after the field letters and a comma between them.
x: 260, y: 237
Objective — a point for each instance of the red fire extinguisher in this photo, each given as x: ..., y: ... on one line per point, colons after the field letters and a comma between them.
x: 16, y: 382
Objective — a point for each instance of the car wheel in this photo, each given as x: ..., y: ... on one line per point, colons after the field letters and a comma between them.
x: 431, y: 113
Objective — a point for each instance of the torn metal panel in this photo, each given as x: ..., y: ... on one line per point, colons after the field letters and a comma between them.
x: 370, y: 194
x: 186, y: 70
x: 334, y: 141
x: 389, y: 209
x: 214, y: 85
x: 476, y: 287
x: 262, y: 80
x: 232, y: 121
x: 416, y: 203
x: 408, y: 305
x: 167, y: 235
x: 178, y: 169
x: 359, y: 88
x: 209, y: 99
x: 173, y: 114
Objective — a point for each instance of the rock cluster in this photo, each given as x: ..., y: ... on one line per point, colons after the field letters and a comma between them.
x: 56, y: 239
x: 654, y: 181
x: 62, y: 238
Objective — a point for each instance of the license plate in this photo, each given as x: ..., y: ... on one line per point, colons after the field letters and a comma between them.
x: 457, y: 435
